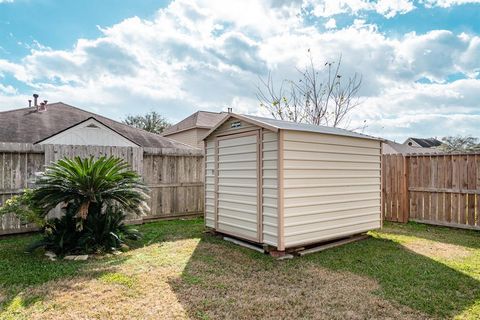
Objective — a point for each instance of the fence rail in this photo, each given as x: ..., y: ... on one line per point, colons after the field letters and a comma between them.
x: 437, y: 189
x: 174, y: 176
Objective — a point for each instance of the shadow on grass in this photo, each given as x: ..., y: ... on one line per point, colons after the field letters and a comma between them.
x: 375, y: 278
x: 404, y: 276
x: 459, y: 237
x: 20, y: 271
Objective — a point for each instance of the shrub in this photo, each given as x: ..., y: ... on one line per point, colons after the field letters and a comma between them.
x: 95, y: 195
x: 101, y: 232
x: 88, y: 182
x: 24, y: 208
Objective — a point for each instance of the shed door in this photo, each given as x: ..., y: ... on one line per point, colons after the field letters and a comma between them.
x: 238, y: 185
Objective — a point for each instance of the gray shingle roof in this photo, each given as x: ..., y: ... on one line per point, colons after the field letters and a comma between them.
x: 427, y: 143
x: 29, y: 126
x: 288, y: 125
x: 200, y: 119
x: 406, y: 149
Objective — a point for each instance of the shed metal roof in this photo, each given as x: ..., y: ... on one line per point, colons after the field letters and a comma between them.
x: 288, y: 125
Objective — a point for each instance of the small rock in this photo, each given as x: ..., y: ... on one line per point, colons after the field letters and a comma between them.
x: 285, y: 257
x: 52, y: 258
x: 117, y: 252
x: 124, y: 247
x: 50, y: 254
x: 81, y: 257
x: 69, y: 257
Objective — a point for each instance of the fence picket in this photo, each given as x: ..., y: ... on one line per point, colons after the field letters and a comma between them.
x: 172, y: 193
x: 436, y: 188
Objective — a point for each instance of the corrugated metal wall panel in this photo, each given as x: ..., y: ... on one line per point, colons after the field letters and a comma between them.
x: 320, y: 148
x: 312, y: 182
x: 337, y: 214
x: 331, y: 186
x: 210, y: 184
x: 324, y: 234
x: 326, y: 139
x: 238, y: 186
x: 330, y: 207
x: 270, y: 188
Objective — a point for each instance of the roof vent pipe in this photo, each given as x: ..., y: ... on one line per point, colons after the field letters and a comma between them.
x: 43, y: 106
x: 35, y: 100
x: 29, y: 103
x: 230, y: 110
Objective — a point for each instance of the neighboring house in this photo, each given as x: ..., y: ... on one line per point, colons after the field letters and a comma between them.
x: 391, y: 147
x: 423, y: 143
x: 60, y: 123
x: 192, y: 129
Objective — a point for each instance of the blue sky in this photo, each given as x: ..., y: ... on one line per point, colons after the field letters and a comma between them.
x: 420, y: 60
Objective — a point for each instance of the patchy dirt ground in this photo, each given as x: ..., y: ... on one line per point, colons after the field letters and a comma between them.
x: 438, y: 249
x: 227, y: 284
x: 187, y: 275
x: 192, y: 279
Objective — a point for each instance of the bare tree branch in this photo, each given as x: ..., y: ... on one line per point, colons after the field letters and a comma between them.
x: 319, y: 96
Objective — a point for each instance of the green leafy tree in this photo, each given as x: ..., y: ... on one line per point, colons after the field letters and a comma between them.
x: 460, y: 144
x: 151, y: 122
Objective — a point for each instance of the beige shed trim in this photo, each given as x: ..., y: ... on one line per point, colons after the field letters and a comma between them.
x: 216, y: 184
x: 205, y: 183
x: 382, y: 180
x: 240, y: 117
x: 281, y: 207
x: 260, y: 184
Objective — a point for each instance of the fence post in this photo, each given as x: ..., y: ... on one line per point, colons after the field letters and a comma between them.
x: 406, y: 206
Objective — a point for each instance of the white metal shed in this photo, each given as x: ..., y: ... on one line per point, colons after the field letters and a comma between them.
x: 285, y: 184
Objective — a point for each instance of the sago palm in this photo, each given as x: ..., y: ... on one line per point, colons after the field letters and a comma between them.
x: 86, y: 183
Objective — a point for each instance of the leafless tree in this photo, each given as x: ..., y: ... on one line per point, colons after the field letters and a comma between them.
x: 320, y: 96
x: 460, y: 144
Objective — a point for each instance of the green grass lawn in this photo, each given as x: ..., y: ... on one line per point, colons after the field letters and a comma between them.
x: 408, y: 271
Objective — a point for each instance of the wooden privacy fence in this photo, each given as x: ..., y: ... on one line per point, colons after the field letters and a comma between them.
x: 441, y: 189
x: 174, y: 176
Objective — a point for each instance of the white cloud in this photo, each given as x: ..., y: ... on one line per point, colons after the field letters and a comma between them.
x: 331, y: 24
x: 390, y: 8
x: 438, y: 53
x: 447, y: 3
x: 207, y: 55
x: 387, y: 8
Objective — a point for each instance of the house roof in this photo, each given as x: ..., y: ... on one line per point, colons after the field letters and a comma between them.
x: 30, y: 126
x: 200, y: 119
x: 274, y: 125
x: 427, y: 143
x: 406, y: 149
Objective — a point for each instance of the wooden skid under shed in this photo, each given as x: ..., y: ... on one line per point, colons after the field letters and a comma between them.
x: 332, y: 244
